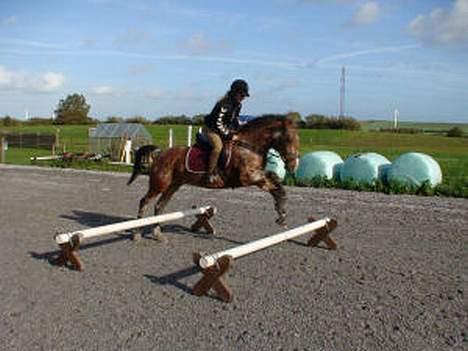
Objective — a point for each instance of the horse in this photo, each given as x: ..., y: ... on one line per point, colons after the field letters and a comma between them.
x: 249, y: 148
x: 144, y: 158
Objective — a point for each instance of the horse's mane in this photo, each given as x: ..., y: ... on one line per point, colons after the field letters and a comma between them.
x: 261, y: 122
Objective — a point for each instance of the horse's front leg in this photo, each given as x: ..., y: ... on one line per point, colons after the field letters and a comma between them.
x: 271, y: 183
x: 279, y: 194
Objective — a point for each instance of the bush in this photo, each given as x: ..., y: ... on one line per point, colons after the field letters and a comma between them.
x: 402, y: 130
x: 114, y: 119
x: 10, y: 122
x: 183, y: 119
x: 455, y: 132
x: 198, y: 119
x: 137, y: 119
x: 37, y: 121
x: 315, y: 121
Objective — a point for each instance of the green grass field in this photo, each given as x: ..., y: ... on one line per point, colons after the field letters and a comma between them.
x: 427, y: 127
x: 451, y: 153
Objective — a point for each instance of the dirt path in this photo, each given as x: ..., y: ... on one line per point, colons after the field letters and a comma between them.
x: 397, y: 282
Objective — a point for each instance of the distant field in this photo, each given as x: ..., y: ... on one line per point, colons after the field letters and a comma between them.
x: 426, y: 127
x: 451, y: 153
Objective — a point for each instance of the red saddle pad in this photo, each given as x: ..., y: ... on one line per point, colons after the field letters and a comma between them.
x: 196, y: 160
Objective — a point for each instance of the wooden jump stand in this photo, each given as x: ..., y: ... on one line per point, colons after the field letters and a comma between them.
x: 203, y: 221
x: 69, y: 243
x: 214, y: 267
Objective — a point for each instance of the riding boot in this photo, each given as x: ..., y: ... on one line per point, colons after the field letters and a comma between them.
x: 212, y: 179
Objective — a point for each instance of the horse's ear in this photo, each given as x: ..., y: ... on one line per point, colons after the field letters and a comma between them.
x: 290, y: 122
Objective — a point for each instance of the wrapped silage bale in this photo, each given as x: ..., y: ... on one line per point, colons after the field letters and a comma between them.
x: 414, y: 168
x: 366, y: 167
x: 319, y: 163
x: 275, y: 163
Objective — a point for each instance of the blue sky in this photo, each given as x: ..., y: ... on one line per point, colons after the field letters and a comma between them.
x: 154, y: 58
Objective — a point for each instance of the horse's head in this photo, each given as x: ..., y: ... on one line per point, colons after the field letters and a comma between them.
x: 285, y: 140
x: 277, y: 132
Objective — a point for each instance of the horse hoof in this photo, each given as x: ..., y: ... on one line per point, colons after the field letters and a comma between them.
x: 161, y: 238
x: 158, y: 236
x: 136, y: 236
x: 281, y: 220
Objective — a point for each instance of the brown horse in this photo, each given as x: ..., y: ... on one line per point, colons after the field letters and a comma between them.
x: 245, y: 168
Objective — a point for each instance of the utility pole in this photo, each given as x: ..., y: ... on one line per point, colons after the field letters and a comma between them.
x: 342, y: 91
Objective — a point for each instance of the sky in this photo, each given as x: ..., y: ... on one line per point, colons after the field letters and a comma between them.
x: 170, y: 57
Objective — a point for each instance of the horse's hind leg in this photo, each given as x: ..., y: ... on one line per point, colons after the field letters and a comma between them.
x: 159, y: 207
x: 151, y: 194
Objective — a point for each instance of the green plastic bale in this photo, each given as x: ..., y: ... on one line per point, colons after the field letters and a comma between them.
x: 275, y: 164
x: 366, y: 168
x: 319, y: 163
x: 414, y: 168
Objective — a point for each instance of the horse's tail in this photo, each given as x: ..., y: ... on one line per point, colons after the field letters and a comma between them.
x: 144, y: 158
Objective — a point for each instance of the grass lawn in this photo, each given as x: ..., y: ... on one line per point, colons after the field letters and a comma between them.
x: 451, y: 153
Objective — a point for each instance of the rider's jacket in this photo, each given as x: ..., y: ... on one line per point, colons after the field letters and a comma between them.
x: 224, y: 118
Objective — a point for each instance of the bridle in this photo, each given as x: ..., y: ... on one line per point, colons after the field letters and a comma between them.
x: 288, y: 157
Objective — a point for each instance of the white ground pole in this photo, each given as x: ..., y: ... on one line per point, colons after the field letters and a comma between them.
x: 171, y: 138
x: 242, y: 250
x: 189, y: 135
x: 45, y: 158
x: 135, y: 223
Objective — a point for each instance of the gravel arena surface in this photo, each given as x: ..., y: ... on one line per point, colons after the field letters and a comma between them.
x: 398, y: 280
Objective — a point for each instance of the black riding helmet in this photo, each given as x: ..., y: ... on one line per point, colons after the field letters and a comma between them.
x: 240, y: 86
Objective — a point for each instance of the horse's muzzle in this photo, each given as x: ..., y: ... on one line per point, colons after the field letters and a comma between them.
x: 292, y: 164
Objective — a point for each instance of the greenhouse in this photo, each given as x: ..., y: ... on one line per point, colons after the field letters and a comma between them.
x: 111, y: 138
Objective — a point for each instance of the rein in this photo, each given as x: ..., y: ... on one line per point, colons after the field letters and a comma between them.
x: 290, y: 156
x: 248, y: 146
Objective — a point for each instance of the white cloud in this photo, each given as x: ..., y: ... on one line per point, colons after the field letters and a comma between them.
x: 155, y: 94
x: 198, y: 44
x: 47, y: 82
x: 443, y: 26
x: 380, y: 50
x: 8, y: 21
x: 180, y: 95
x: 368, y: 13
x: 43, y: 83
x: 105, y: 90
x: 140, y: 69
x: 134, y: 37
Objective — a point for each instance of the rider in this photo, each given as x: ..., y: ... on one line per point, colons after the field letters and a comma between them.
x: 222, y: 122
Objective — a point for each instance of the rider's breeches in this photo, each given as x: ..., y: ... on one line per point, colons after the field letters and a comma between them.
x: 217, y: 144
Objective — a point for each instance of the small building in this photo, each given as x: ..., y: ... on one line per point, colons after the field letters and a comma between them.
x: 111, y: 138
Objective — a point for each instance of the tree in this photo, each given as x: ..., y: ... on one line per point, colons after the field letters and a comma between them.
x: 198, y: 119
x: 137, y: 119
x: 10, y: 122
x: 72, y: 110
x: 114, y: 119
x: 455, y: 132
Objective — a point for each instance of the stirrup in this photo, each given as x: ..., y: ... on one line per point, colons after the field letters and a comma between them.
x: 212, y: 179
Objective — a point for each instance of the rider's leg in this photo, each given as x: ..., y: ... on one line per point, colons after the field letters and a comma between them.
x: 217, y: 146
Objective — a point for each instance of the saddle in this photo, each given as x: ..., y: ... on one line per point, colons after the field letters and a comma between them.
x: 196, y: 158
